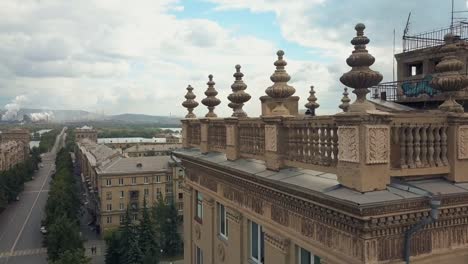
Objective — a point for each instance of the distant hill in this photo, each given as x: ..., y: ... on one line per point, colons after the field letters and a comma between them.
x: 140, y: 118
x: 80, y: 115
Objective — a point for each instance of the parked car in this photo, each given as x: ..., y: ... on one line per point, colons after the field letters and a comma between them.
x: 41, y: 165
x: 43, y: 230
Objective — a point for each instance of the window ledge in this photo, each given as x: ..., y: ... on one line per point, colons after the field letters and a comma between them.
x: 223, y: 239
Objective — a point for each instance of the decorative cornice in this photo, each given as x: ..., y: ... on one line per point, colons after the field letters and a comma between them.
x: 277, y: 241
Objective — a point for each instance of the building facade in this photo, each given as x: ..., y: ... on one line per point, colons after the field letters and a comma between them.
x: 116, y: 182
x: 18, y: 135
x: 161, y: 149
x: 86, y: 132
x: 362, y: 186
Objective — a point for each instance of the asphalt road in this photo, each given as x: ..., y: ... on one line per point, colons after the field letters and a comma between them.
x: 20, y: 222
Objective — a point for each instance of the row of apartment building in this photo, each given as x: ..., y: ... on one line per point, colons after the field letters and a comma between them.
x: 116, y: 182
x: 14, y: 147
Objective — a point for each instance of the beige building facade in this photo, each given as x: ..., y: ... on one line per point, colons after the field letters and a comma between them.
x: 160, y: 149
x: 116, y: 183
x: 86, y: 132
x: 362, y: 186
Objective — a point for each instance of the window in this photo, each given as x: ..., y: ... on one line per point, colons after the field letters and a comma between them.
x: 121, y: 181
x: 135, y: 217
x: 146, y: 180
x: 257, y: 248
x: 415, y: 68
x: 108, y: 195
x: 109, y: 219
x: 158, y: 179
x: 121, y: 206
x: 122, y: 218
x: 169, y: 177
x: 305, y: 257
x: 133, y: 180
x: 223, y: 224
x: 181, y: 196
x: 108, y: 182
x: 199, y: 256
x: 199, y: 206
x: 122, y: 194
x: 146, y: 192
x: 109, y: 207
x: 158, y: 192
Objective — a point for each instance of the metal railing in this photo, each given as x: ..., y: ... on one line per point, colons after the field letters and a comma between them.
x: 434, y: 38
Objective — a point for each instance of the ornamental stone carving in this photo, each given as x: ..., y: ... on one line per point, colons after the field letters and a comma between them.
x: 378, y: 144
x: 197, y: 232
x: 277, y: 241
x: 238, y: 96
x: 190, y: 102
x: 348, y: 140
x: 221, y: 252
x: 271, y: 135
x: 211, y: 101
x: 463, y: 142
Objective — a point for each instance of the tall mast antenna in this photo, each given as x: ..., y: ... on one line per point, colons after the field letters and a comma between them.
x: 451, y: 21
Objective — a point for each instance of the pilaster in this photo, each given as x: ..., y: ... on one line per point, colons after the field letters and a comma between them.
x: 188, y: 217
x: 364, y: 153
x: 457, y: 147
x: 185, y: 128
x: 275, y: 137
x: 232, y: 138
x: 204, y: 135
x: 276, y: 248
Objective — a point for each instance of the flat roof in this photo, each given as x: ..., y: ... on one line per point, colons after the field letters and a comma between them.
x: 135, y: 165
x: 311, y: 181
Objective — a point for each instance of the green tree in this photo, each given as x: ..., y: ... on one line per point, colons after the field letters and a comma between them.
x: 62, y: 235
x: 147, y: 237
x: 129, y: 248
x: 171, y: 242
x: 73, y: 257
x: 113, y: 251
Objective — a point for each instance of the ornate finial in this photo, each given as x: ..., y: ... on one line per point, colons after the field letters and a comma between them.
x: 449, y: 80
x: 360, y: 77
x: 280, y: 88
x: 312, y: 104
x: 345, y: 101
x: 211, y: 101
x: 238, y: 96
x: 190, y: 103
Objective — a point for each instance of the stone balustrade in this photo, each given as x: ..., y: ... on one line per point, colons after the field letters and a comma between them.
x: 363, y: 146
x: 421, y: 144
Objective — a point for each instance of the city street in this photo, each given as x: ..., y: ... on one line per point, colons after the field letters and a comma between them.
x: 20, y: 222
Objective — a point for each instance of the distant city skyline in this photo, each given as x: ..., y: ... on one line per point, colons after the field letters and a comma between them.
x: 118, y: 56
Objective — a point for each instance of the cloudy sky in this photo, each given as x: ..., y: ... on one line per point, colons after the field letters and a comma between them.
x: 118, y: 56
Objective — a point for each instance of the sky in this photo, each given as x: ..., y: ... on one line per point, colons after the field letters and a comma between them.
x: 138, y: 56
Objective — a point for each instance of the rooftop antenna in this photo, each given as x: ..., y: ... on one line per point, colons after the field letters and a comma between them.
x: 451, y: 20
x: 405, y: 32
x: 393, y: 58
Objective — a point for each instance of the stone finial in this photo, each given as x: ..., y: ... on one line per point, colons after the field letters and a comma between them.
x: 345, y: 101
x: 238, y: 96
x: 211, y: 101
x: 190, y: 102
x: 312, y: 104
x: 448, y: 78
x: 280, y: 88
x: 360, y: 77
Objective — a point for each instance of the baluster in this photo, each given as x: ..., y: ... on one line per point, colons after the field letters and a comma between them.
x: 417, y: 146
x: 308, y: 144
x: 303, y: 142
x: 410, y: 146
x: 290, y: 143
x: 403, y: 163
x: 314, y: 144
x: 437, y: 149
x: 329, y: 145
x: 297, y: 140
x: 444, y: 145
x: 335, y: 144
x: 424, y: 145
x: 431, y: 151
x: 322, y: 145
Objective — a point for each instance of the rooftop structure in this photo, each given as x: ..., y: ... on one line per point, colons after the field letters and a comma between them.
x: 151, y: 150
x: 370, y: 185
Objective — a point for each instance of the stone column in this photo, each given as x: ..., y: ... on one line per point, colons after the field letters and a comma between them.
x: 188, y: 219
x: 275, y: 142
x: 232, y: 138
x: 276, y: 248
x: 364, y: 151
x: 457, y: 148
x: 204, y: 122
